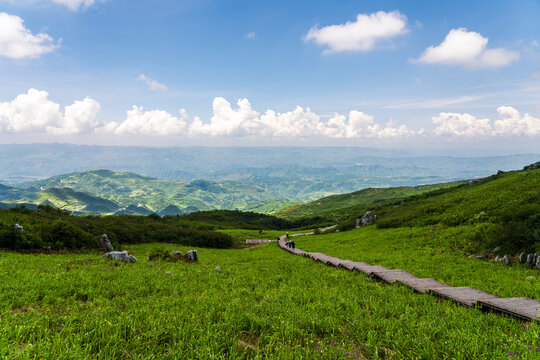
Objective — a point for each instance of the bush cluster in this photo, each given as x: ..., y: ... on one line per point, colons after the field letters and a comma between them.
x: 54, y: 229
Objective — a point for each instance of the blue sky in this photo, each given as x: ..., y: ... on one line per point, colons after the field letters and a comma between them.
x: 120, y: 71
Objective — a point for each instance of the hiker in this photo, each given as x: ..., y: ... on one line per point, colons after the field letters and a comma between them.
x: 292, y: 243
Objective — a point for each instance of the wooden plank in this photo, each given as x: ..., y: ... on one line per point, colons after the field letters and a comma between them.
x: 520, y: 307
x: 369, y: 269
x: 299, y: 252
x: 464, y: 295
x: 316, y: 256
x: 347, y: 264
x: 391, y: 276
x: 422, y: 285
x: 333, y: 261
x: 257, y: 241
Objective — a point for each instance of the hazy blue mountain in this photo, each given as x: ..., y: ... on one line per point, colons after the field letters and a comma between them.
x: 23, y: 162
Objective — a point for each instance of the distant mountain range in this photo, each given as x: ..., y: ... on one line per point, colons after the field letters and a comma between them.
x: 24, y: 162
x: 105, y: 192
x: 183, y: 180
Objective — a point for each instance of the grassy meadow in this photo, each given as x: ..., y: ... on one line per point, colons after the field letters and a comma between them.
x: 265, y: 303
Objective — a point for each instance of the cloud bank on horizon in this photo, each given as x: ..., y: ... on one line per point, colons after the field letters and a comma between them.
x: 35, y: 113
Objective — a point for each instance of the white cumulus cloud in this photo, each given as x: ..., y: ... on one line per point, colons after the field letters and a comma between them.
x: 17, y: 42
x: 359, y: 35
x: 469, y: 49
x: 33, y: 112
x: 300, y: 122
x: 153, y: 122
x: 510, y: 123
x: 75, y: 5
x: 151, y: 83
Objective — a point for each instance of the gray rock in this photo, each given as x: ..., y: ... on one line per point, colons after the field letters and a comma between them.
x: 497, y: 258
x: 538, y: 262
x: 19, y: 227
x: 530, y: 278
x: 104, y: 243
x: 168, y: 273
x: 121, y: 256
x: 367, y: 219
x: 498, y: 248
x: 218, y: 269
x: 480, y: 257
x: 531, y: 260
x: 505, y: 260
x: 176, y: 253
x: 193, y: 255
x: 522, y: 258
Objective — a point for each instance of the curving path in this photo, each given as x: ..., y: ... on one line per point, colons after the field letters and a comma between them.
x: 520, y: 307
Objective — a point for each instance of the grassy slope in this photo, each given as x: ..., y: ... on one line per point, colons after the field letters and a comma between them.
x: 434, y: 252
x: 511, y: 195
x: 348, y: 203
x: 279, y: 305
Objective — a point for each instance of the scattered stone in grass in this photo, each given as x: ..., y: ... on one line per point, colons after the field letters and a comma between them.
x: 538, y: 262
x: 168, y: 273
x: 367, y: 219
x: 105, y: 243
x: 531, y: 260
x: 505, y: 260
x: 193, y: 255
x: 522, y: 258
x: 480, y: 257
x: 218, y: 269
x: 157, y: 254
x: 121, y: 256
x: 530, y: 278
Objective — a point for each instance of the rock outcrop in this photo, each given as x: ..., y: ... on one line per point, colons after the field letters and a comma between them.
x: 531, y: 260
x: 193, y: 255
x: 105, y: 243
x: 121, y: 256
x: 367, y: 219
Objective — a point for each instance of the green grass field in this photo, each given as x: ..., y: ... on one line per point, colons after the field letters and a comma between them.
x: 265, y: 303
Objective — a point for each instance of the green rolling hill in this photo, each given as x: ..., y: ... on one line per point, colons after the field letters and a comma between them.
x: 106, y: 191
x: 339, y: 206
x: 76, y: 201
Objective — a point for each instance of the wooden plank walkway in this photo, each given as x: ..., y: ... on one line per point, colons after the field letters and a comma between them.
x: 465, y: 295
x: 258, y: 241
x: 422, y: 285
x: 391, y: 276
x: 520, y: 307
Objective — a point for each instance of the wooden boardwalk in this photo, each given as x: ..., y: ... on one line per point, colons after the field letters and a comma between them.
x: 520, y: 307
